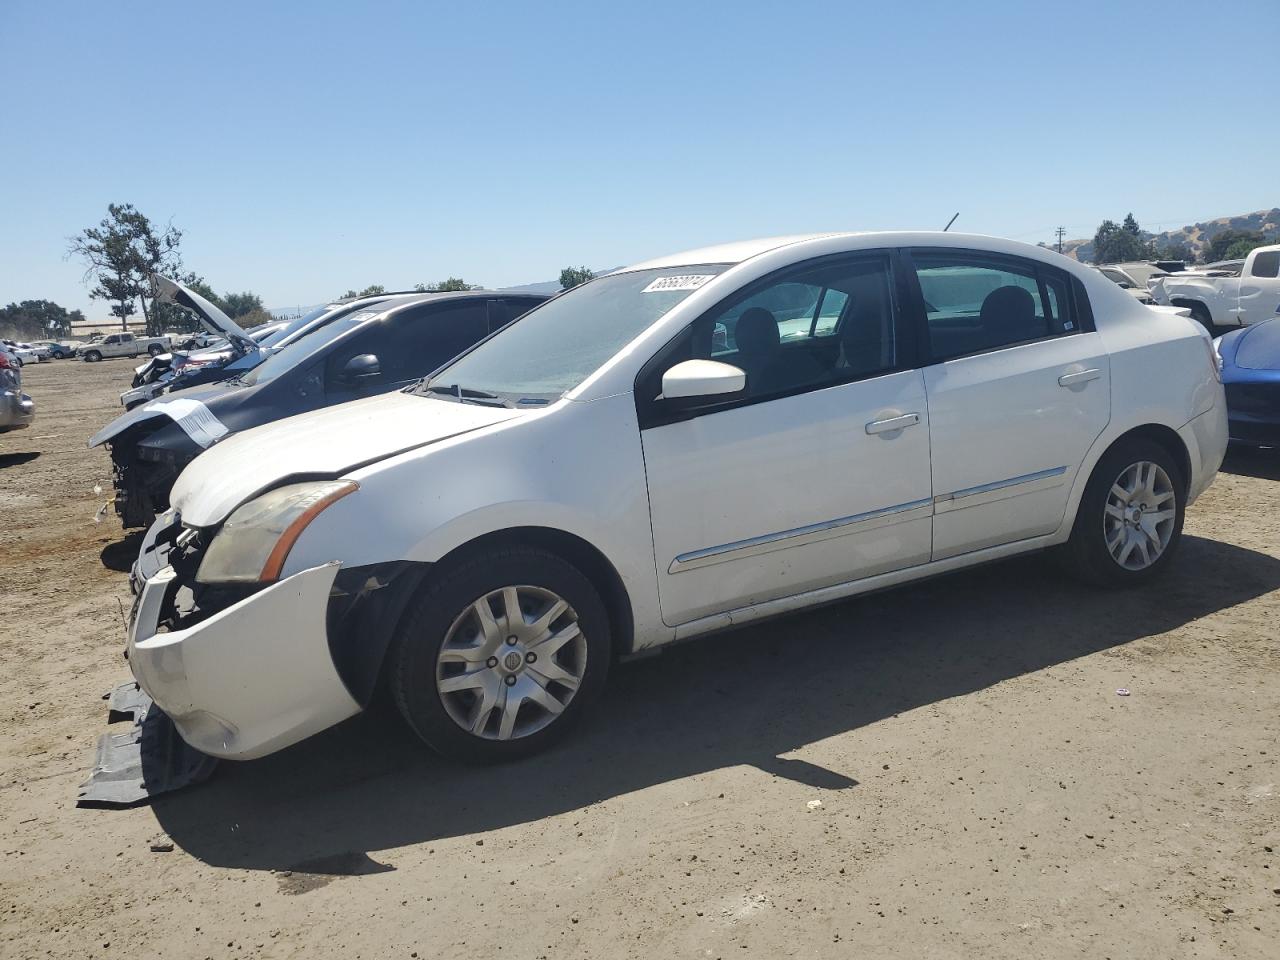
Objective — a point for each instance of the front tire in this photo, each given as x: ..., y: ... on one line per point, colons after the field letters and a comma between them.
x: 93, y: 356
x: 497, y: 658
x: 1129, y: 522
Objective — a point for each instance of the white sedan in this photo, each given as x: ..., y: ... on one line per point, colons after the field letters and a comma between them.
x: 691, y: 443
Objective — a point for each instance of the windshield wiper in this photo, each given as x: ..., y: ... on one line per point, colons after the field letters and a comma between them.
x: 467, y: 395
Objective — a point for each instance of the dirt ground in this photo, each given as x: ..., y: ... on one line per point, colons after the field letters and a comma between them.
x: 941, y: 772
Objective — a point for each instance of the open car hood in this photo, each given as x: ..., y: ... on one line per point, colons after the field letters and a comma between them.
x: 322, y: 443
x: 211, y: 318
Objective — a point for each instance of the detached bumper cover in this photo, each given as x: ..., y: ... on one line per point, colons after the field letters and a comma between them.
x: 250, y: 679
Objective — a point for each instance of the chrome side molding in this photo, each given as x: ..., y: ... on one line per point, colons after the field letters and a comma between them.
x: 812, y: 533
x: 1000, y: 489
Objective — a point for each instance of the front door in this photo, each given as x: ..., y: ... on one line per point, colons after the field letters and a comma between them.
x: 1017, y: 393
x: 819, y: 474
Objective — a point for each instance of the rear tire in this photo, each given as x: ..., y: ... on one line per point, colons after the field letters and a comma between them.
x: 479, y: 685
x: 1200, y: 314
x: 155, y: 350
x: 1124, y: 533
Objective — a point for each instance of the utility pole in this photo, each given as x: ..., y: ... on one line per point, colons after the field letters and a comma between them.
x: 1061, y: 232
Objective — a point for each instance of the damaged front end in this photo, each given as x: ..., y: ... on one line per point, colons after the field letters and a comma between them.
x: 247, y: 669
x: 145, y: 462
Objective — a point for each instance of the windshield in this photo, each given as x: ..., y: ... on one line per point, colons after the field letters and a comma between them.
x: 556, y: 346
x: 287, y: 357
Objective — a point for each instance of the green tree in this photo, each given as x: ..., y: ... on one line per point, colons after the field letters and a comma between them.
x: 370, y: 291
x: 571, y: 277
x: 241, y: 304
x: 1176, y: 250
x: 1234, y: 244
x: 38, y: 320
x: 121, y: 253
x: 449, y: 285
x: 1117, y: 243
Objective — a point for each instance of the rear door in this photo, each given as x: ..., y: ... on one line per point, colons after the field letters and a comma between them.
x: 1018, y: 387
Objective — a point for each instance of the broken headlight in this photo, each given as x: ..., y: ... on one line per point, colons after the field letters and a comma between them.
x: 252, y: 545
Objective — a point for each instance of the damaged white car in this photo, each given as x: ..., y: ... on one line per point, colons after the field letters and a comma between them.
x: 674, y: 448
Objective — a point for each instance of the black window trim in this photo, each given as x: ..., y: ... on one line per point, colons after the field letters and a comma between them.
x: 651, y: 412
x: 1081, y: 312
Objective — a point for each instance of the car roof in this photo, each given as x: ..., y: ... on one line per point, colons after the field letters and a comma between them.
x: 741, y: 251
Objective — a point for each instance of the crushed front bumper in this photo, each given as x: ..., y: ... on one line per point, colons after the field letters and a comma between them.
x: 248, y: 680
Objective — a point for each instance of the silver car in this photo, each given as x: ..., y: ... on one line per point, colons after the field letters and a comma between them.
x: 17, y: 410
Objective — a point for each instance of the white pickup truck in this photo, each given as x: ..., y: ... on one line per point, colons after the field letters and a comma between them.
x: 1222, y: 299
x: 123, y: 345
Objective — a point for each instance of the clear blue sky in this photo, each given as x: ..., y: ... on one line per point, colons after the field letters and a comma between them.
x: 305, y: 148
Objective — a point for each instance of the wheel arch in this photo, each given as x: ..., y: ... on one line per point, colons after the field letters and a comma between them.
x: 1165, y: 437
x: 588, y: 558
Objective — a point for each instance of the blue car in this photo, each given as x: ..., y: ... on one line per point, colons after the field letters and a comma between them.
x: 1251, y: 374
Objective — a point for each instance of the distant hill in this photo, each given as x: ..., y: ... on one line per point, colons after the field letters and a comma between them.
x: 1196, y: 235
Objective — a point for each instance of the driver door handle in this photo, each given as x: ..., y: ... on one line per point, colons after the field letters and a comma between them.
x: 1080, y: 376
x: 893, y: 423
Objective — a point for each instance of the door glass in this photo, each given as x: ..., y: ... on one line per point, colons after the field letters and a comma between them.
x: 1266, y: 264
x: 973, y: 303
x: 812, y: 329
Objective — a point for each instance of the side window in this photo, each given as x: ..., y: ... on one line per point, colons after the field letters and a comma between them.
x: 370, y: 338
x: 422, y: 340
x: 502, y: 312
x: 806, y: 330
x: 975, y: 303
x: 1266, y: 264
x: 126, y: 338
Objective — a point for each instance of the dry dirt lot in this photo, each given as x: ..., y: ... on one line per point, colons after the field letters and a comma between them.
x: 983, y: 790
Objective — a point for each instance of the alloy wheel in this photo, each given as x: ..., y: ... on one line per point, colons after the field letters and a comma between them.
x: 511, y: 662
x: 1138, y: 520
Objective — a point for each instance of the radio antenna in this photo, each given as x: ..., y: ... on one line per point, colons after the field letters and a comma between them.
x: 950, y: 222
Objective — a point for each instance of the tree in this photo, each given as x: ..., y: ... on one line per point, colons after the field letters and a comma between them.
x: 38, y: 320
x: 1234, y: 244
x: 370, y: 291
x: 571, y: 277
x: 1176, y: 250
x: 241, y: 304
x: 1119, y: 243
x: 121, y: 253
x: 446, y: 286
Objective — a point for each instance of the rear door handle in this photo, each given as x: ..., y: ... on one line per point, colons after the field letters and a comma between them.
x: 1080, y: 376
x: 893, y: 423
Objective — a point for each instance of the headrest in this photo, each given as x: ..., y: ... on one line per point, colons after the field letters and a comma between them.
x: 757, y: 332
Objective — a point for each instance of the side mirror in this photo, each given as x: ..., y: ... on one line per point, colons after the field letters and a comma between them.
x: 691, y: 381
x: 359, y: 368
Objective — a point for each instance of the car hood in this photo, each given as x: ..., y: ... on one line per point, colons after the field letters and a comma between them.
x: 187, y: 409
x: 322, y: 443
x: 211, y: 318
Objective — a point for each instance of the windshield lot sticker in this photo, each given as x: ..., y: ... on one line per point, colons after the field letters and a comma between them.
x: 194, y: 418
x: 667, y: 284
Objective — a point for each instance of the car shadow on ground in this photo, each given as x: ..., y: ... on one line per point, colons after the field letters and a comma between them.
x: 1260, y: 462
x: 744, y: 697
x: 121, y: 554
x: 17, y: 459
